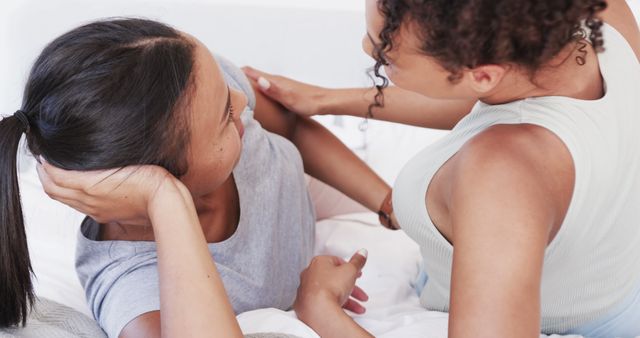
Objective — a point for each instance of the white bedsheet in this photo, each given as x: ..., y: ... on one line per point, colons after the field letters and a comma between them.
x: 393, y: 309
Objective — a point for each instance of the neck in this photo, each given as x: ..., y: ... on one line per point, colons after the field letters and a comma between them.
x: 216, y: 200
x: 218, y: 212
x: 561, y: 76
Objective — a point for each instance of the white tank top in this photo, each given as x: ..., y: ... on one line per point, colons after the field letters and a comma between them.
x: 594, y: 260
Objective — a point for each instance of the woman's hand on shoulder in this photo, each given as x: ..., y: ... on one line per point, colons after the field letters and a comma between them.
x: 123, y: 195
x: 300, y: 98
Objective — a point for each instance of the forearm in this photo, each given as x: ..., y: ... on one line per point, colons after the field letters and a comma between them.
x: 325, y: 157
x: 192, y: 296
x: 400, y: 106
x: 329, y: 160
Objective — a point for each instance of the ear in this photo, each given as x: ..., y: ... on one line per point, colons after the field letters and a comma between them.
x: 484, y: 79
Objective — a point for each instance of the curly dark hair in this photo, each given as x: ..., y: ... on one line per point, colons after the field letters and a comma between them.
x: 462, y: 34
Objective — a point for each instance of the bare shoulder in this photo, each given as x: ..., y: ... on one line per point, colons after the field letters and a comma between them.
x: 504, y: 205
x: 524, y: 166
x: 145, y: 325
x: 619, y: 15
x: 521, y: 145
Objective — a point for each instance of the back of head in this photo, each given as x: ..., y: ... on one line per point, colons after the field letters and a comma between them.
x: 463, y: 34
x: 105, y: 95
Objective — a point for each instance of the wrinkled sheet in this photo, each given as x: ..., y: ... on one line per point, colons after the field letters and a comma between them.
x: 393, y: 309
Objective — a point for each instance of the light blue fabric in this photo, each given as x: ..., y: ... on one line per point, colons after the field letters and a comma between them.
x: 420, y: 282
x: 623, y: 322
x: 259, y: 264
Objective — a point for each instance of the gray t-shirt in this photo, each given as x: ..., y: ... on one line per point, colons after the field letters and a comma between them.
x: 259, y: 264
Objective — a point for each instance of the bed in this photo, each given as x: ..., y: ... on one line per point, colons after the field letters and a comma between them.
x: 304, y: 53
x: 392, y: 311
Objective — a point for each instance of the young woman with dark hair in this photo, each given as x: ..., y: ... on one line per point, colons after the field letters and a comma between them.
x: 138, y: 126
x: 527, y: 212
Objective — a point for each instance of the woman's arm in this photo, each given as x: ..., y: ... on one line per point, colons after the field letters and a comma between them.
x: 401, y: 106
x: 192, y: 296
x: 193, y: 300
x: 510, y: 190
x: 324, y: 156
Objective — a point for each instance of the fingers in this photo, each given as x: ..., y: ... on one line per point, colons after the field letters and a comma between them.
x: 52, y: 189
x: 71, y: 179
x: 354, y: 307
x: 264, y: 84
x: 359, y: 294
x: 49, y: 174
x: 264, y: 81
x: 253, y: 73
x: 260, y: 77
x: 359, y: 259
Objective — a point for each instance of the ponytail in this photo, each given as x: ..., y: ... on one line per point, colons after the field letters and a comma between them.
x: 16, y: 289
x: 122, y: 105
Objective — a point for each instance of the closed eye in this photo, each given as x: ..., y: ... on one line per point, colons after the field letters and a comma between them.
x: 230, y: 113
x: 227, y: 107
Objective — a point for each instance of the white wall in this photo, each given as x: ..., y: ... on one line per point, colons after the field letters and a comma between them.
x: 317, y: 41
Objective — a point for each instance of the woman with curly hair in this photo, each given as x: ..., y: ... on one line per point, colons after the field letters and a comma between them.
x: 526, y: 213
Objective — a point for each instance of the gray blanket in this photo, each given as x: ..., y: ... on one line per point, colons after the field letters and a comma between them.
x: 49, y: 319
x: 52, y: 320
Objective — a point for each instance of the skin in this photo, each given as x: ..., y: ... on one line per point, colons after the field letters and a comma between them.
x: 483, y: 200
x: 148, y: 195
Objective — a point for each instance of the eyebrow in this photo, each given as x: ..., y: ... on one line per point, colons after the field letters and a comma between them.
x: 225, y: 113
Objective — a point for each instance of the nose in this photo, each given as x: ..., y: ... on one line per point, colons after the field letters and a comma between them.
x: 238, y: 122
x: 240, y: 101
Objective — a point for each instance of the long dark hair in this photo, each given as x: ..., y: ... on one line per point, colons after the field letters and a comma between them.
x: 462, y: 34
x: 105, y: 95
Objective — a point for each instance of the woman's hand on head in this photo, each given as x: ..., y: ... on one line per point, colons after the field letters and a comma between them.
x: 328, y: 284
x: 300, y: 98
x: 122, y: 195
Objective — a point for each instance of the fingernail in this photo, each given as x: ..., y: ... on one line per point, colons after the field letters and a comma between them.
x: 363, y: 252
x: 264, y: 83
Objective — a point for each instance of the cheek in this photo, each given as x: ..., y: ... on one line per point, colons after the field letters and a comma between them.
x: 229, y: 150
x: 367, y: 47
x: 211, y: 167
x: 426, y: 81
x: 406, y: 78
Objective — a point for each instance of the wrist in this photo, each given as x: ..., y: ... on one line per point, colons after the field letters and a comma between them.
x: 163, y: 194
x: 315, y: 307
x: 326, y: 99
x: 385, y: 213
x: 328, y: 319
